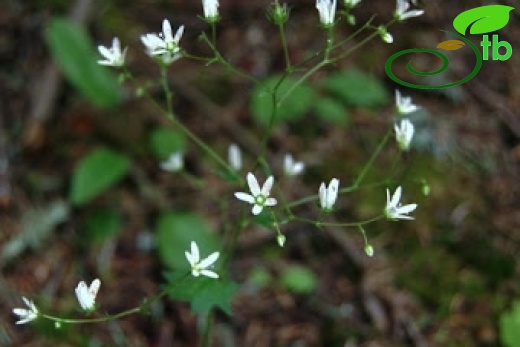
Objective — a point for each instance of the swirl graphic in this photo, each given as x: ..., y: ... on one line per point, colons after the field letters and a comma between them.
x: 445, y: 65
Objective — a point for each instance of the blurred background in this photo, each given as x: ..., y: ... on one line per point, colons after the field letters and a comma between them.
x: 448, y: 278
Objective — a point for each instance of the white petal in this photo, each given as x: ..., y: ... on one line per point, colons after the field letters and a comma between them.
x: 245, y: 197
x: 167, y: 30
x: 209, y: 273
x: 323, y: 195
x: 208, y: 261
x: 257, y: 209
x: 266, y: 189
x: 396, y: 197
x: 190, y: 258
x: 195, y: 252
x: 332, y: 192
x: 406, y: 208
x: 178, y: 34
x: 270, y: 202
x: 253, y: 184
x: 94, y: 287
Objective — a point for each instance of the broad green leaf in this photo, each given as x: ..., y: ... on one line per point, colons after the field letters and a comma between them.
x: 103, y: 224
x: 176, y: 230
x: 97, y: 172
x: 510, y: 326
x: 293, y: 107
x: 331, y: 110
x: 74, y: 53
x: 165, y: 141
x: 483, y: 19
x: 357, y: 88
x: 299, y: 279
x: 203, y: 293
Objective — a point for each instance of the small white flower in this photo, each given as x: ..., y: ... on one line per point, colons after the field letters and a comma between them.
x: 351, y: 3
x: 87, y: 295
x: 404, y: 133
x: 402, y: 13
x: 329, y: 195
x: 385, y: 35
x: 113, y: 55
x: 292, y: 168
x: 200, y: 267
x: 404, y: 104
x: 26, y: 315
x: 164, y: 44
x: 394, y: 210
x: 175, y: 162
x: 259, y: 198
x: 235, y: 157
x: 210, y: 8
x: 327, y: 11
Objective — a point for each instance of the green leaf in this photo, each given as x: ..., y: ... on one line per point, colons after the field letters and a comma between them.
x: 176, y: 230
x: 165, y: 141
x: 103, y: 224
x: 299, y: 279
x: 357, y: 88
x: 294, y: 106
x: 203, y: 293
x: 97, y: 172
x: 74, y: 53
x: 510, y: 326
x: 331, y: 110
x: 483, y: 19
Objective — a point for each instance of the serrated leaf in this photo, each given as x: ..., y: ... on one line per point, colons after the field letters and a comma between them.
x: 175, y: 231
x: 299, y: 279
x: 165, y: 141
x: 74, y: 53
x: 451, y: 45
x: 483, y: 19
x: 203, y: 293
x: 97, y: 172
x: 357, y: 88
x: 331, y: 110
x: 292, y: 108
x: 510, y: 326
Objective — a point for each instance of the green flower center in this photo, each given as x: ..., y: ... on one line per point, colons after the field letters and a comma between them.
x: 260, y: 200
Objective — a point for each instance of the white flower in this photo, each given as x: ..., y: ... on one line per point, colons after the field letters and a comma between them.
x: 235, y: 157
x: 327, y: 11
x: 113, y: 55
x: 385, y: 35
x: 164, y: 44
x: 292, y: 168
x: 87, y: 295
x: 394, y: 210
x: 26, y: 315
x: 210, y: 8
x: 329, y: 195
x: 351, y: 3
x: 258, y: 197
x: 403, y: 134
x: 175, y: 162
x: 404, y: 104
x: 200, y: 267
x: 402, y: 13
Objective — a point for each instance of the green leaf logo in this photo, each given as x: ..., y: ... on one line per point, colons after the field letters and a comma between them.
x: 483, y: 19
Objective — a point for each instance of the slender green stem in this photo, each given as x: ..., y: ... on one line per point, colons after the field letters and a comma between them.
x: 370, y: 162
x: 285, y: 47
x: 167, y: 91
x: 320, y: 223
x: 207, y: 330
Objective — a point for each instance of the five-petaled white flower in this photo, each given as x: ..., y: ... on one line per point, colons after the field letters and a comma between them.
x: 328, y: 195
x: 113, y: 55
x: 87, y: 295
x: 26, y: 315
x: 258, y: 197
x: 235, y: 157
x: 404, y: 104
x: 401, y: 12
x: 164, y: 44
x: 403, y: 134
x: 394, y: 210
x: 210, y: 8
x: 175, y: 162
x: 327, y: 11
x: 200, y: 267
x: 291, y: 167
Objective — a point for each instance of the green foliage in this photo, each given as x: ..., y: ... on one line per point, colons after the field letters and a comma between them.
x: 103, y: 224
x: 331, y: 110
x: 72, y: 50
x: 165, y: 141
x: 293, y: 108
x: 203, y: 293
x: 483, y: 19
x: 259, y: 277
x: 510, y: 326
x: 97, y: 172
x: 299, y: 280
x: 175, y: 231
x: 356, y: 88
